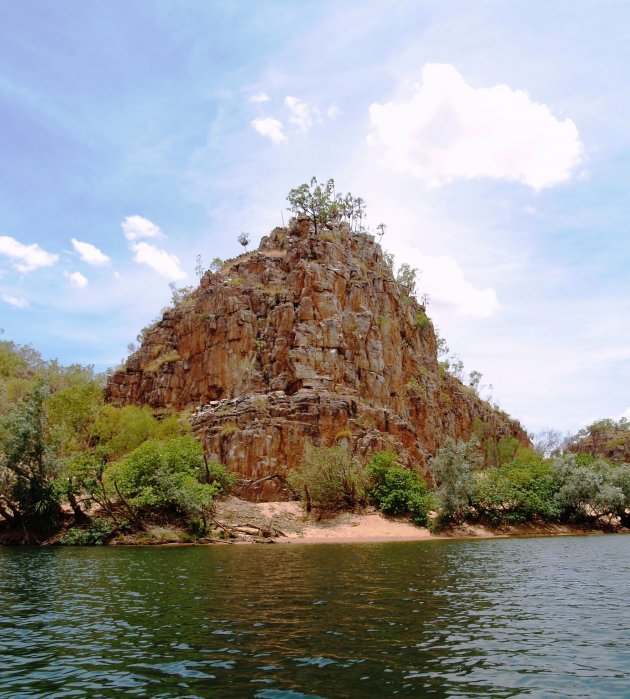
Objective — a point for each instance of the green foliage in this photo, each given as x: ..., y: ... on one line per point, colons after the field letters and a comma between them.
x: 216, y: 265
x: 163, y: 478
x: 96, y: 534
x: 397, y: 490
x: 165, y: 358
x: 588, y: 491
x: 328, y: 479
x: 315, y: 201
x: 452, y: 469
x: 179, y: 294
x: 320, y: 204
x: 216, y: 474
x: 121, y: 430
x: 517, y: 492
x: 29, y: 491
x: 406, y: 278
x: 421, y: 320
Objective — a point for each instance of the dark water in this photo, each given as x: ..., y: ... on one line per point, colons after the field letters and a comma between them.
x: 536, y: 617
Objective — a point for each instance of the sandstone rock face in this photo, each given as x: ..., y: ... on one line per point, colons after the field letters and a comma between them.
x: 307, y: 340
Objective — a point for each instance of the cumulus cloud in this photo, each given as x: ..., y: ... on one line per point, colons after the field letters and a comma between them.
x: 443, y: 280
x: 76, y: 279
x: 447, y: 130
x: 260, y: 98
x: 16, y: 301
x: 270, y: 128
x: 302, y: 114
x: 136, y: 227
x: 26, y: 258
x: 90, y: 253
x: 161, y: 261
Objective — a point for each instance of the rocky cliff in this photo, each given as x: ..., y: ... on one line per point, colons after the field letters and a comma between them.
x: 307, y: 340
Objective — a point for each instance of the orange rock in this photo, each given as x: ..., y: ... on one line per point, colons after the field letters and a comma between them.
x: 294, y: 343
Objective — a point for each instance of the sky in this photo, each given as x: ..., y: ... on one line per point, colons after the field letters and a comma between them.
x: 492, y: 138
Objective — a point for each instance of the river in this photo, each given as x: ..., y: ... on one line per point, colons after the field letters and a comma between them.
x: 489, y: 618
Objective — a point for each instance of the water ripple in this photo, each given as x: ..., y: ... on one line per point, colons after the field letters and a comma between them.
x: 536, y: 618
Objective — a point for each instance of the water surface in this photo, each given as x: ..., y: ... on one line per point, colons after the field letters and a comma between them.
x: 497, y: 618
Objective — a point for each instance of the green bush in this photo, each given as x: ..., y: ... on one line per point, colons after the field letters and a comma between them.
x: 452, y: 469
x: 328, y: 479
x: 97, y: 534
x: 164, y: 478
x: 397, y: 490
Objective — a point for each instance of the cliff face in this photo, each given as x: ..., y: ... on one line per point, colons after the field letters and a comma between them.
x: 308, y: 340
x: 607, y: 439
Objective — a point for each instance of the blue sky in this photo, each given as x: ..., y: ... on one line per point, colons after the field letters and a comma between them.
x: 493, y: 138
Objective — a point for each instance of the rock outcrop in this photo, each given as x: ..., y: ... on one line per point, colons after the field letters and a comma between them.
x: 307, y: 340
x: 606, y: 439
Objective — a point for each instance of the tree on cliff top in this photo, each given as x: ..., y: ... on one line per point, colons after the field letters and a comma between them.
x: 315, y: 201
x: 321, y: 205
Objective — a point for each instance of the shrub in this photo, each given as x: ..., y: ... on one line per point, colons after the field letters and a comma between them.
x: 163, y: 478
x: 166, y: 358
x: 452, y: 469
x: 397, y: 490
x: 228, y: 428
x: 421, y: 320
x: 97, y: 534
x: 328, y: 479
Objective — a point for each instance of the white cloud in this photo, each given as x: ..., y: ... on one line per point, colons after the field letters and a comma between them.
x: 303, y: 115
x: 260, y: 98
x: 447, y: 130
x: 271, y: 128
x: 161, y: 261
x: 90, y: 253
x: 626, y: 413
x: 16, y: 301
x: 26, y: 257
x: 443, y: 279
x: 76, y: 279
x: 135, y: 227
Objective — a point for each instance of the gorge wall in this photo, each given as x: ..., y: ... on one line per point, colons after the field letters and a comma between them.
x: 307, y: 340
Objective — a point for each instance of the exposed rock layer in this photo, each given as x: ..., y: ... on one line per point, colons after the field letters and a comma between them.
x: 308, y: 340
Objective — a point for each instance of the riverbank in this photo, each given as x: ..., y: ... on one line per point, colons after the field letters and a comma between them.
x: 237, y: 521
x: 288, y: 523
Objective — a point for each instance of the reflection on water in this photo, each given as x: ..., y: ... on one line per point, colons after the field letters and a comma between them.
x: 536, y: 617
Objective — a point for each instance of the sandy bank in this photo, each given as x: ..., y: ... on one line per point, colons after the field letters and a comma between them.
x: 365, y: 527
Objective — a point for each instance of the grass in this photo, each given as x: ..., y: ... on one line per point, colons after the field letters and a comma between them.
x: 228, y: 429
x: 166, y: 358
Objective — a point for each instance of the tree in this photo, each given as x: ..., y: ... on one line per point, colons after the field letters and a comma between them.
x: 406, y: 277
x: 199, y: 268
x: 328, y: 479
x: 29, y: 491
x: 587, y: 490
x: 397, y: 490
x: 474, y: 379
x: 316, y: 201
x: 216, y: 264
x: 452, y: 469
x: 243, y: 239
x: 161, y: 478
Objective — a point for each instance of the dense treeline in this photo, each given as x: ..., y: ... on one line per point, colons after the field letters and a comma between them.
x: 67, y: 457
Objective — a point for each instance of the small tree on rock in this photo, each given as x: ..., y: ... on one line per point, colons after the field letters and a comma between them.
x: 243, y: 239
